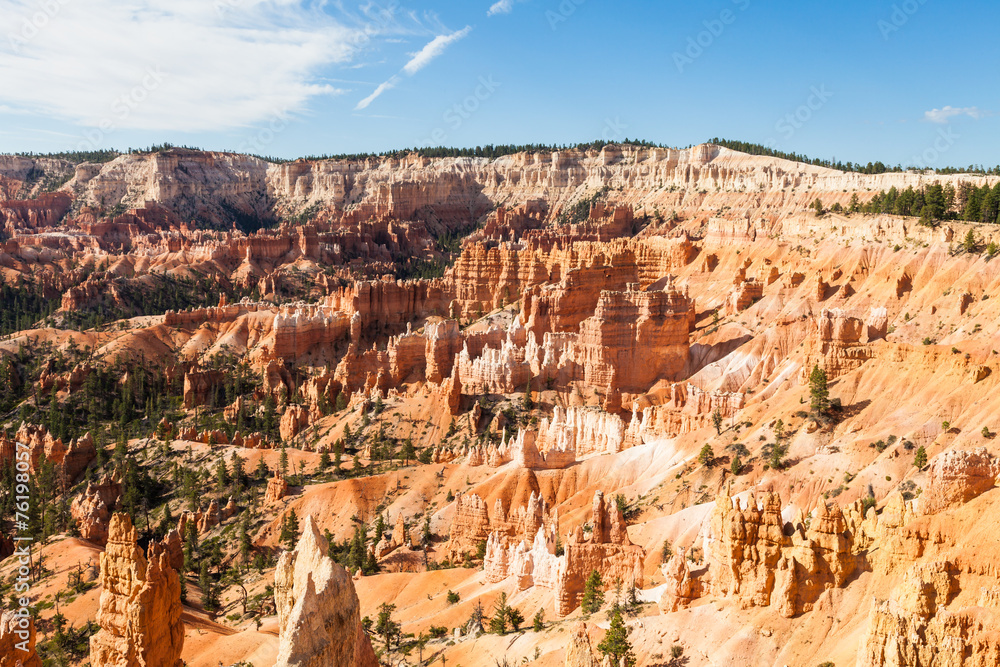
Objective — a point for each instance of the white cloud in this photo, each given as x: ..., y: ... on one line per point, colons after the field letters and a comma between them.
x: 417, y: 62
x: 502, y: 7
x: 176, y: 65
x: 433, y: 49
x: 945, y: 114
x: 388, y: 85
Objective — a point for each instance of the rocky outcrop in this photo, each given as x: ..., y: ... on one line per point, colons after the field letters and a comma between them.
x: 839, y: 347
x: 634, y: 339
x: 524, y: 451
x: 579, y: 652
x: 140, y: 605
x: 916, y: 627
x: 70, y: 461
x: 955, y: 477
x: 582, y: 431
x: 199, y: 384
x: 277, y: 488
x: 755, y: 562
x: 528, y: 553
x: 606, y: 549
x: 319, y: 624
x: 92, y: 510
x: 294, y: 420
x: 17, y: 641
x: 470, y: 525
x: 210, y: 518
x: 680, y: 588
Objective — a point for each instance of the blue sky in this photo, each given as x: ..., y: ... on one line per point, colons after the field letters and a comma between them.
x: 902, y: 82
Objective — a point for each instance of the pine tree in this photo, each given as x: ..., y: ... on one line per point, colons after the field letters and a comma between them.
x: 819, y: 393
x: 222, y: 474
x: 737, y: 465
x: 407, y: 452
x: 168, y: 520
x: 615, y: 643
x: 289, y: 530
x: 706, y: 455
x: 969, y: 243
x: 593, y: 593
x: 324, y: 460
x: 498, y: 624
x: 371, y: 565
x: 515, y: 618
x: 920, y: 460
x: 237, y: 473
x: 246, y: 546
x: 538, y: 622
x: 717, y: 421
x: 385, y: 627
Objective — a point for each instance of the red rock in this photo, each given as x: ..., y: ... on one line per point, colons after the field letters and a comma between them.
x: 277, y: 488
x: 17, y: 650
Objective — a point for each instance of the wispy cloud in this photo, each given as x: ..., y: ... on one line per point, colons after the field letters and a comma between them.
x: 433, y: 49
x: 417, y: 62
x: 945, y: 114
x: 502, y: 7
x: 218, y: 64
x: 382, y: 87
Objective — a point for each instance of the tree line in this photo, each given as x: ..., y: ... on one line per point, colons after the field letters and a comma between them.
x: 937, y: 202
x: 871, y: 168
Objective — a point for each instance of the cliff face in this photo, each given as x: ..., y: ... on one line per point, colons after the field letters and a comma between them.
x: 318, y: 619
x: 140, y: 607
x: 450, y: 188
x: 916, y: 628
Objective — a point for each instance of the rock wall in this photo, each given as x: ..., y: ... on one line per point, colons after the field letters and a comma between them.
x: 916, y: 628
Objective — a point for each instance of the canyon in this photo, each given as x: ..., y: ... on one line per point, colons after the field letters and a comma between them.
x: 327, y: 396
